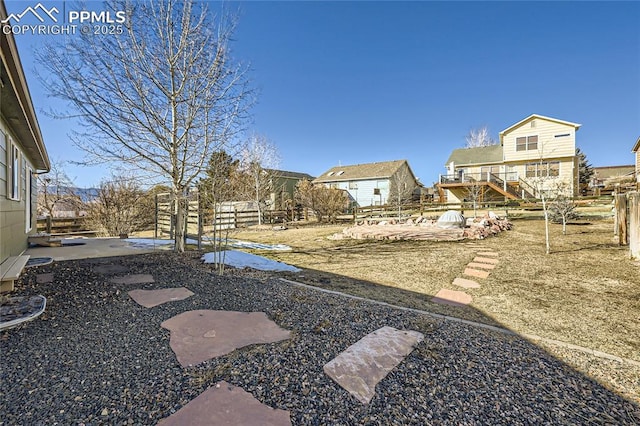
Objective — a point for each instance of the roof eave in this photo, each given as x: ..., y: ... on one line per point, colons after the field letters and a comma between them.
x: 534, y: 116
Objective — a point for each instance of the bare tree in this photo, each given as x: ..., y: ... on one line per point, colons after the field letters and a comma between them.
x: 55, y: 189
x: 160, y: 97
x: 474, y: 192
x: 223, y: 182
x: 562, y: 208
x: 547, y: 188
x: 401, y: 187
x: 324, y: 202
x: 121, y: 207
x: 259, y: 156
x: 479, y: 137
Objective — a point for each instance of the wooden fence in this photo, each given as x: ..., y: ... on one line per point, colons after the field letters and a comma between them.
x: 166, y: 217
x: 627, y: 222
x: 63, y: 226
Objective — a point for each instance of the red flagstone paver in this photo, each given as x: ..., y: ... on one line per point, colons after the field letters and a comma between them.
x: 476, y: 273
x: 133, y: 279
x: 197, y: 336
x: 151, y: 298
x: 362, y: 365
x: 481, y: 265
x: 225, y: 404
x: 488, y: 253
x: 463, y: 282
x: 452, y: 297
x: 44, y: 278
x: 485, y: 260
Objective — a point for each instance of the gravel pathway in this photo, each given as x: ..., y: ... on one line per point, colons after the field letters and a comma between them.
x: 97, y: 357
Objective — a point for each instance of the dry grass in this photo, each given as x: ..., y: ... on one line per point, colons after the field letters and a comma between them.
x: 586, y: 292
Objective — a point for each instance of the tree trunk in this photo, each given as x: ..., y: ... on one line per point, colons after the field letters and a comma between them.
x: 546, y: 225
x: 180, y: 221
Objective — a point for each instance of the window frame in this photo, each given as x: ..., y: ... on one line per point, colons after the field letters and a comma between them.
x: 14, y: 169
x: 526, y: 143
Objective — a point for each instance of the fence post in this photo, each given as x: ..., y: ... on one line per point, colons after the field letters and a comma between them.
x: 48, y: 224
x: 621, y: 215
x: 634, y: 225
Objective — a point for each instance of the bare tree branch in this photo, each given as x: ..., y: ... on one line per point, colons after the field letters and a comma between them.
x: 160, y: 97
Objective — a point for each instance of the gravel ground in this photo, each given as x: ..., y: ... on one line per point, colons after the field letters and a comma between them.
x: 96, y: 357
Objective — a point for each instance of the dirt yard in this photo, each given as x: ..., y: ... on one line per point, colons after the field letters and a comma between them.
x: 585, y: 292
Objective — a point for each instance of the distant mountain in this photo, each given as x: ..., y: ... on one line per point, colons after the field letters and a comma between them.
x: 85, y: 194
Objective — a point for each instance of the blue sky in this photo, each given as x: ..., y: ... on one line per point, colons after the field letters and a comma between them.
x: 357, y: 82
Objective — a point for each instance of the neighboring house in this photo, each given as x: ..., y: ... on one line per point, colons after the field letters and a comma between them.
x: 283, y: 186
x: 373, y: 183
x: 534, y: 154
x: 22, y: 154
x: 605, y: 179
x: 636, y: 149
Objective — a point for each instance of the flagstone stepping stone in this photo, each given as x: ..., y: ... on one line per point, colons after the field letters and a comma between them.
x: 365, y: 363
x: 488, y: 253
x: 225, y: 404
x: 476, y: 273
x: 133, y: 279
x: 481, y: 265
x: 111, y: 269
x: 44, y: 278
x: 485, y: 260
x: 197, y: 336
x: 452, y: 297
x: 463, y: 282
x: 38, y: 261
x: 151, y: 298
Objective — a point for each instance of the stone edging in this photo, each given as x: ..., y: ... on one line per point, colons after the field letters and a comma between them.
x: 530, y: 337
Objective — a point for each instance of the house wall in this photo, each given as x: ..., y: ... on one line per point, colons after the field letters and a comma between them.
x: 13, y: 221
x: 556, y: 142
x: 550, y: 143
x: 638, y: 165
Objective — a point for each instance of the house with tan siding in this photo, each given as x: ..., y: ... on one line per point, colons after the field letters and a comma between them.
x: 533, y: 155
x: 22, y: 156
x: 372, y: 184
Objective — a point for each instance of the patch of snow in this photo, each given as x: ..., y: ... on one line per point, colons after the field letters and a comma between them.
x: 147, y: 242
x: 240, y: 259
x: 150, y: 242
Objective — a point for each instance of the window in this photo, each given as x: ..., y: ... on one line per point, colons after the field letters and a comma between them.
x: 527, y: 143
x: 14, y: 171
x: 544, y: 169
x: 340, y: 173
x: 353, y: 185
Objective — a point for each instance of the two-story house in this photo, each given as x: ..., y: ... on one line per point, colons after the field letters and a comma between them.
x: 533, y: 155
x: 372, y: 183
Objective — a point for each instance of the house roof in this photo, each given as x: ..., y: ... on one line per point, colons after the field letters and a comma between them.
x: 636, y: 147
x: 480, y: 155
x: 381, y: 170
x: 16, y: 103
x: 540, y: 117
x: 288, y: 174
x: 613, y: 171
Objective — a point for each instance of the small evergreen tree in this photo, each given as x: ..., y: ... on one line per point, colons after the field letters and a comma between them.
x: 585, y: 170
